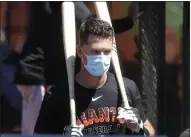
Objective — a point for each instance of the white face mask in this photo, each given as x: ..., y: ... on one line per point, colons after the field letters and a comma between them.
x: 97, y: 65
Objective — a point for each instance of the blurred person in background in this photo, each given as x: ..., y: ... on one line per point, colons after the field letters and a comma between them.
x: 173, y: 82
x: 10, y: 97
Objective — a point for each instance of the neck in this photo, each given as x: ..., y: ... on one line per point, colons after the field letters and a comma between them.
x: 88, y: 81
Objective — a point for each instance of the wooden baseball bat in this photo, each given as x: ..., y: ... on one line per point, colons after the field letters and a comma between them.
x: 103, y: 13
x: 69, y: 39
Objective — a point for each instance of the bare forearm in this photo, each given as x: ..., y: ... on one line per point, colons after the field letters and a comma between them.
x: 150, y: 128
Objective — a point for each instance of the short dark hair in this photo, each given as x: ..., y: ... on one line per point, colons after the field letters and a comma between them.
x: 96, y: 27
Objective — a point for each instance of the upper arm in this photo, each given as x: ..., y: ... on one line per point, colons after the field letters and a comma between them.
x: 136, y: 98
x: 137, y: 103
x: 51, y: 116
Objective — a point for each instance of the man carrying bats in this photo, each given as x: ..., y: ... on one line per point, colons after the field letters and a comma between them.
x: 41, y: 61
x: 99, y: 107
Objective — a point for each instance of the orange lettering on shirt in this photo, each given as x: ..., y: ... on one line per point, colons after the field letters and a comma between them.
x: 83, y: 117
x: 78, y: 122
x: 103, y: 114
x: 92, y: 117
x: 113, y: 116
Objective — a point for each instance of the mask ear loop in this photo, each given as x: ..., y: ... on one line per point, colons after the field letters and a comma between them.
x: 82, y: 58
x: 83, y: 52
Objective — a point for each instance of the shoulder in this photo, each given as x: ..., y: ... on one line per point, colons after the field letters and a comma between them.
x: 132, y: 89
x: 129, y: 84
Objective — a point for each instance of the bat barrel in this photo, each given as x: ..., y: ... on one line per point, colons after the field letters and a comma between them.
x: 103, y: 13
x: 69, y: 38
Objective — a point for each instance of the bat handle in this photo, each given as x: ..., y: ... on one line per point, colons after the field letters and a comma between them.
x: 115, y: 60
x: 72, y: 112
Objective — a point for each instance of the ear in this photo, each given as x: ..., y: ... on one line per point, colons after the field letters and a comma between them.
x: 78, y: 49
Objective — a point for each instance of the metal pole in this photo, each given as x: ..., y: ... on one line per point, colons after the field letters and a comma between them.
x: 152, y: 48
x: 186, y: 63
x: 161, y: 94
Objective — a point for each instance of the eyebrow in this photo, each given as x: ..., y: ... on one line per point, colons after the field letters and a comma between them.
x: 102, y: 49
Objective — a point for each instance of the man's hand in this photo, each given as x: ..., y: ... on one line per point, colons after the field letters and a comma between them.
x: 132, y: 118
x: 74, y: 130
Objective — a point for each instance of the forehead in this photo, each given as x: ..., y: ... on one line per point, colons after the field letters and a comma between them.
x: 99, y: 42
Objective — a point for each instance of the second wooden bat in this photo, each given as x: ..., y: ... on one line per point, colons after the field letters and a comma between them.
x: 102, y: 12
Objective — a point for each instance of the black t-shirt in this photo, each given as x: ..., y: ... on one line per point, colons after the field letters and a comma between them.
x: 42, y: 60
x: 95, y: 108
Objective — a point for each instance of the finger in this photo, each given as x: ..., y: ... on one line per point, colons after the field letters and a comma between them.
x: 132, y: 121
x: 120, y: 109
x: 126, y: 114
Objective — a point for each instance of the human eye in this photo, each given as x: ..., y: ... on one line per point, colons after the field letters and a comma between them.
x: 107, y: 52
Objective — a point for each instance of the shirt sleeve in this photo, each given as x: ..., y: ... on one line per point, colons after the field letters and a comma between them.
x: 52, y: 118
x: 137, y: 102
